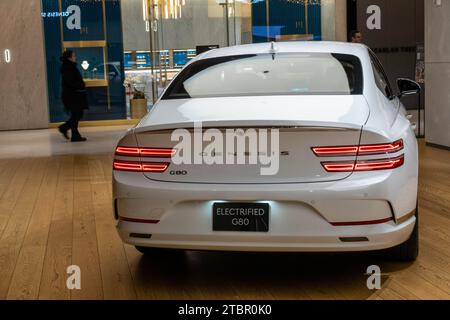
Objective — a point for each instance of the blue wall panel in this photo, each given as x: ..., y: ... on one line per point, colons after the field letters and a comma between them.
x: 91, y: 20
x: 285, y: 19
x: 116, y: 75
x: 290, y: 16
x: 52, y: 30
x: 315, y: 21
x: 105, y: 102
x: 259, y: 24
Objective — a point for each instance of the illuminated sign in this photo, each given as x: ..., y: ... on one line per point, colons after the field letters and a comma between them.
x: 73, y: 15
x: 54, y: 14
x: 6, y: 56
x: 85, y: 65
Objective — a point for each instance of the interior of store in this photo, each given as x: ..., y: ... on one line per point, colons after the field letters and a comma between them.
x: 56, y: 196
x: 140, y: 45
x: 182, y: 29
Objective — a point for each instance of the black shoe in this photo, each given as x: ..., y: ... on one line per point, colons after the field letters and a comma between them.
x: 79, y: 139
x: 64, y: 132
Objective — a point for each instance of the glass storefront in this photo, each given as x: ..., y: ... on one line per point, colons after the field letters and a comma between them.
x: 140, y: 45
x: 91, y: 28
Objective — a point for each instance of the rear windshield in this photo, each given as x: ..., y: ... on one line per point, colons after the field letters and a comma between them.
x: 269, y: 74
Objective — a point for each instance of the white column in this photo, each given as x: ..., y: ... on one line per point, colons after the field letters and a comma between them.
x: 23, y: 83
x: 437, y: 72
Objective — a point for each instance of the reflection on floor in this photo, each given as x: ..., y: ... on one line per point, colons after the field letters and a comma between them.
x: 55, y: 211
x: 44, y: 143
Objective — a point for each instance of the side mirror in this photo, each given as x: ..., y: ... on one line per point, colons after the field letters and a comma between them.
x: 408, y: 87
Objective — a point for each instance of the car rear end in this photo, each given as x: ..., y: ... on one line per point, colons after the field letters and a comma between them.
x: 340, y: 185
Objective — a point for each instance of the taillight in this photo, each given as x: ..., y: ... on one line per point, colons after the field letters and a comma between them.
x: 140, y: 166
x: 157, y: 153
x: 128, y: 152
x: 363, y: 150
x: 367, y: 165
x: 381, y: 148
x: 127, y: 166
x: 145, y: 152
x: 372, y: 149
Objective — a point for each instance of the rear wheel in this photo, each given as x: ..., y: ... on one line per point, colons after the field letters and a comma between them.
x: 409, y: 250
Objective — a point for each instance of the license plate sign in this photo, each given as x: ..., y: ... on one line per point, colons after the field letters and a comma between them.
x: 241, y: 217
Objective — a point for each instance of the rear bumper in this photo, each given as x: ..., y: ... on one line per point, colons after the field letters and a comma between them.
x: 301, y: 215
x: 331, y: 239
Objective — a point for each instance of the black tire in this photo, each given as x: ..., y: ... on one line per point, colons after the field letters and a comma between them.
x: 409, y: 250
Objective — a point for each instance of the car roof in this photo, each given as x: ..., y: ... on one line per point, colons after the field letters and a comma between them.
x: 288, y: 47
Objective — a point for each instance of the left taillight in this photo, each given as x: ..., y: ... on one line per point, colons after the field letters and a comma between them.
x: 142, y: 153
x: 140, y: 166
x: 146, y: 152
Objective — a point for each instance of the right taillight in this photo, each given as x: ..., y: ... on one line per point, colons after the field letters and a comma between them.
x: 362, y: 150
x: 369, y: 165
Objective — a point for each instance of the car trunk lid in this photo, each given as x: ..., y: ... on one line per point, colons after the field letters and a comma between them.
x: 302, y: 122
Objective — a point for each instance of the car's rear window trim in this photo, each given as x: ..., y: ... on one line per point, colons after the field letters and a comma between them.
x: 198, y: 66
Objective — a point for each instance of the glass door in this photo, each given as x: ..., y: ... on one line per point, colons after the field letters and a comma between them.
x: 91, y: 29
x: 181, y: 29
x: 162, y: 36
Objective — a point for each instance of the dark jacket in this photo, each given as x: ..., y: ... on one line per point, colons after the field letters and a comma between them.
x: 74, y: 94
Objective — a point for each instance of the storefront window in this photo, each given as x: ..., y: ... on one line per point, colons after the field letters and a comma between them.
x: 140, y: 45
x: 91, y: 28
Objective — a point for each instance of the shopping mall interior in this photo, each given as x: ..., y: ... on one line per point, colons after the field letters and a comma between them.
x: 56, y: 197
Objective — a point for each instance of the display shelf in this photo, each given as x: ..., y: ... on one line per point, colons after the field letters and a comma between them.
x: 91, y: 64
x: 171, y: 59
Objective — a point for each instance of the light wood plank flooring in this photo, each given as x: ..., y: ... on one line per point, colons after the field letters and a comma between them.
x: 56, y: 211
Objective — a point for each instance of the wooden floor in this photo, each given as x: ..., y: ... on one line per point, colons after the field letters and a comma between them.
x: 56, y: 212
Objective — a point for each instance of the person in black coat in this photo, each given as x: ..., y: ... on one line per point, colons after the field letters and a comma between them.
x: 74, y: 95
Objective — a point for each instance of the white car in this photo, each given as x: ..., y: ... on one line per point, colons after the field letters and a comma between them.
x: 343, y: 175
